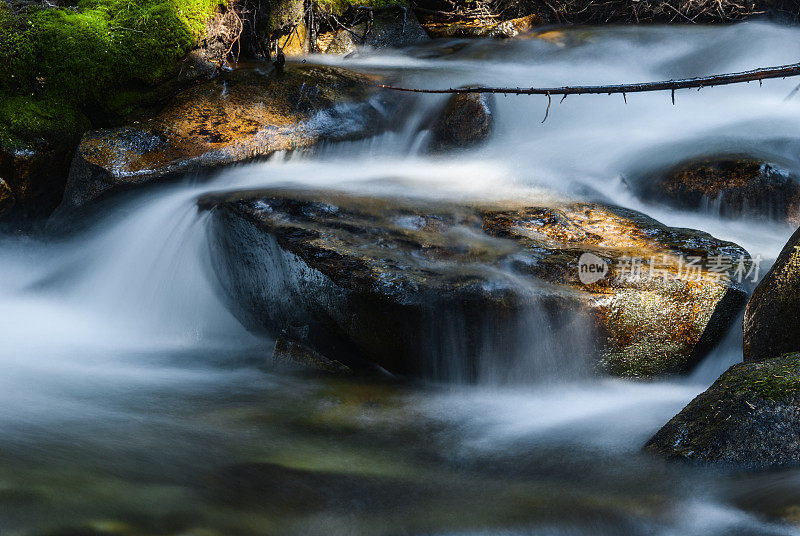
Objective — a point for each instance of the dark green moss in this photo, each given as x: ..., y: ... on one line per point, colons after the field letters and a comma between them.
x: 25, y: 120
x: 338, y: 7
x: 57, y: 62
x: 776, y: 379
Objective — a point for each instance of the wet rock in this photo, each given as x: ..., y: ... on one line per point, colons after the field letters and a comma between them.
x: 771, y: 321
x: 732, y: 187
x: 7, y: 200
x: 32, y: 177
x: 285, y: 489
x: 423, y: 287
x: 749, y: 417
x: 388, y: 27
x: 245, y: 114
x: 466, y: 120
x: 292, y: 354
x: 499, y: 30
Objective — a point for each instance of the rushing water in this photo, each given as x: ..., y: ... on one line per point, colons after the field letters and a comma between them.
x: 127, y: 388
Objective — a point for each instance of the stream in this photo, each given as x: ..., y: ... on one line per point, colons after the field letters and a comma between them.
x: 130, y: 396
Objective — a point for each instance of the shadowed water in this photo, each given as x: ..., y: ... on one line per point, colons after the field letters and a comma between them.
x: 130, y: 396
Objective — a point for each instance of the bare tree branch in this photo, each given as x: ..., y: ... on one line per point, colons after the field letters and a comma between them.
x: 783, y: 71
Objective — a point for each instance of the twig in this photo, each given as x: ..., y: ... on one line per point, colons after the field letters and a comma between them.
x: 783, y: 71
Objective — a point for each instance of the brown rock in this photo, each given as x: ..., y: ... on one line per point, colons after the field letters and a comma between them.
x: 403, y: 283
x: 733, y: 187
x: 243, y: 115
x: 498, y: 30
x: 465, y: 121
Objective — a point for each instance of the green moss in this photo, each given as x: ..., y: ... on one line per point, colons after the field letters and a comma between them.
x: 23, y: 120
x: 55, y: 62
x: 775, y: 379
x: 338, y: 7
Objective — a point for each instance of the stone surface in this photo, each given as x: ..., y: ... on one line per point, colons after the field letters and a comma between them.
x: 292, y: 354
x: 422, y: 287
x: 246, y: 114
x: 749, y: 417
x: 500, y: 30
x: 389, y: 27
x: 465, y: 121
x: 731, y: 187
x: 33, y: 177
x: 771, y: 319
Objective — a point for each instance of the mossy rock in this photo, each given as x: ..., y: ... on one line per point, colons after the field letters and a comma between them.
x: 732, y: 187
x: 398, y: 283
x: 749, y: 418
x: 64, y: 68
x: 240, y: 116
x: 771, y: 320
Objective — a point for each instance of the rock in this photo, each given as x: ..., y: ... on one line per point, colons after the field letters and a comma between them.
x: 499, y: 30
x: 32, y: 176
x: 287, y: 26
x: 7, y: 200
x: 771, y: 321
x: 465, y: 121
x: 289, y: 353
x: 245, y: 114
x: 422, y: 287
x: 388, y: 27
x: 732, y: 187
x: 749, y: 417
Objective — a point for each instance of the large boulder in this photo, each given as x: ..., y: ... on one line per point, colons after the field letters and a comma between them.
x: 424, y: 287
x: 732, y: 187
x: 771, y: 320
x: 245, y: 114
x: 749, y: 417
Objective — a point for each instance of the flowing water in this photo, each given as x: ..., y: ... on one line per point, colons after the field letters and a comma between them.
x: 129, y: 393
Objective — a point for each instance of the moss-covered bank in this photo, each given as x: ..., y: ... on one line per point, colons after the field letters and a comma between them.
x: 64, y: 69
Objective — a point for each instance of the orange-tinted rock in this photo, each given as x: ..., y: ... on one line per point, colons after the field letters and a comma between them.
x: 477, y: 28
x: 413, y: 285
x: 246, y: 114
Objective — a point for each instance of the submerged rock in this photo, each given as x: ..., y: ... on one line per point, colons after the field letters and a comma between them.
x: 501, y: 30
x: 245, y: 114
x: 465, y: 121
x: 771, y: 319
x: 749, y: 417
x: 732, y: 187
x: 424, y: 287
x: 289, y: 353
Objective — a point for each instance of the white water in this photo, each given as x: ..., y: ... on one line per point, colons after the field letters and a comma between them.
x: 90, y: 325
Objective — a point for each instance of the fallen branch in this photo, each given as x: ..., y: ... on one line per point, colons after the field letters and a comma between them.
x: 783, y: 71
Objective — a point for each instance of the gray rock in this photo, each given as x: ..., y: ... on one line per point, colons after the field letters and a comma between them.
x: 772, y: 316
x: 749, y: 418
